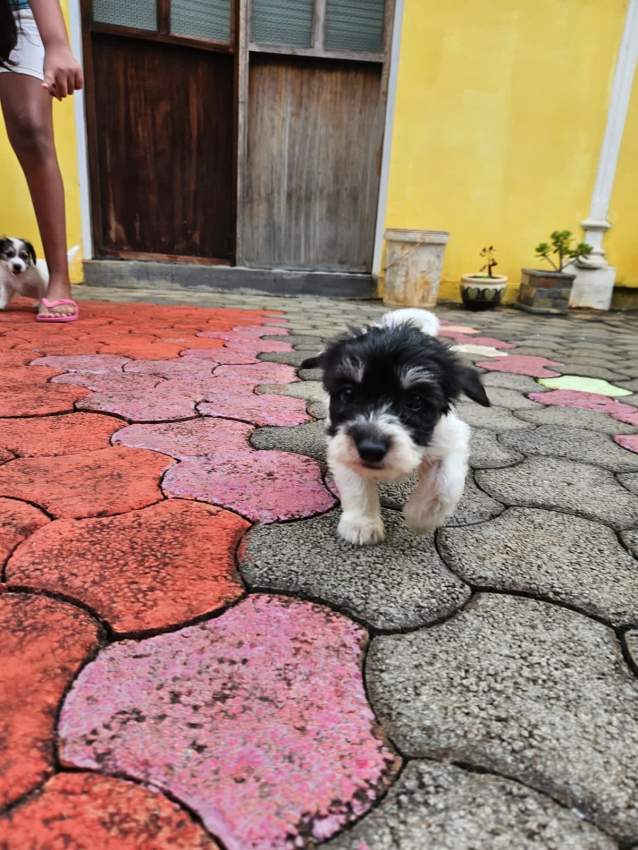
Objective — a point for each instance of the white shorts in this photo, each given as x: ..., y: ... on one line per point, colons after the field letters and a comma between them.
x: 28, y: 55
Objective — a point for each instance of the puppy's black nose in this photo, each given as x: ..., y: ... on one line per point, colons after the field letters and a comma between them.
x: 373, y: 450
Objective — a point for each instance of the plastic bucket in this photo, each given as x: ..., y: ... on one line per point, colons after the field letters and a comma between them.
x: 413, y: 267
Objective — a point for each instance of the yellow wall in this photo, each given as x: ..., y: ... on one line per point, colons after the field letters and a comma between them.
x: 16, y: 212
x: 500, y: 114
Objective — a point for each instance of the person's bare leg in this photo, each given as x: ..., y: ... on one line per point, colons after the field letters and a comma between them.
x: 27, y: 113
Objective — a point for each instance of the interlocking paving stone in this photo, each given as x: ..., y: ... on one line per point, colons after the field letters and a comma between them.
x: 559, y: 484
x: 589, y: 370
x: 584, y: 385
x: 308, y: 439
x: 84, y: 811
x: 575, y: 417
x: 631, y: 641
x: 573, y: 443
x: 630, y: 482
x: 442, y: 807
x: 398, y: 584
x: 589, y: 401
x: 548, y: 554
x: 99, y: 364
x: 57, y: 435
x: 178, y: 367
x: 193, y: 438
x: 97, y: 483
x: 43, y: 644
x: 524, y: 364
x: 630, y: 539
x: 628, y: 442
x: 523, y: 383
x: 294, y: 358
x: 308, y: 390
x: 523, y: 688
x: 264, y: 486
x: 147, y: 569
x: 493, y: 418
x: 510, y: 399
x: 193, y: 712
x: 250, y: 407
x: 488, y: 453
x: 475, y: 505
x: 259, y: 373
x: 18, y: 520
x: 318, y: 409
x: 38, y: 400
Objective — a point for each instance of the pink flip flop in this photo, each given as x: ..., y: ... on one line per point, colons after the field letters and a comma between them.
x: 59, y: 302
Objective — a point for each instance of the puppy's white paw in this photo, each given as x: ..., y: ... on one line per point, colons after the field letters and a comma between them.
x: 361, y: 530
x: 423, y: 517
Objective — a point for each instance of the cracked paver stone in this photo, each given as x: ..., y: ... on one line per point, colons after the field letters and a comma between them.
x: 487, y: 453
x: 43, y: 644
x: 18, y: 521
x: 475, y: 505
x: 97, y: 483
x: 443, y: 807
x: 492, y: 418
x: 523, y: 688
x: 555, y: 556
x: 571, y: 443
x: 575, y: 417
x: 395, y: 585
x: 146, y: 569
x: 264, y: 486
x: 308, y: 439
x: 562, y: 485
x: 257, y: 720
x: 85, y: 811
x: 182, y: 440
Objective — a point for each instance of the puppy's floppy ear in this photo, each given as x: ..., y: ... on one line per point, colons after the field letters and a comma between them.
x: 472, y: 387
x: 30, y: 251
x: 313, y: 362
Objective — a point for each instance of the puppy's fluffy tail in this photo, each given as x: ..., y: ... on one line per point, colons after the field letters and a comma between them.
x: 422, y: 319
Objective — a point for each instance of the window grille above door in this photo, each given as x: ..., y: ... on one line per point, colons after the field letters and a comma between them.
x: 199, y: 20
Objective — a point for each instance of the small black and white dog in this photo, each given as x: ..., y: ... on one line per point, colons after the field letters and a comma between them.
x: 391, y: 388
x: 20, y: 271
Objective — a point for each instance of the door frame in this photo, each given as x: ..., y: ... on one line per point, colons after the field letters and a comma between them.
x: 86, y: 29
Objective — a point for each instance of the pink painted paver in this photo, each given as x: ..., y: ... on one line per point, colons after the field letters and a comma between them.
x: 627, y: 441
x: 589, y: 401
x: 259, y: 373
x: 98, y: 364
x: 523, y: 364
x: 257, y: 720
x: 258, y: 409
x: 193, y: 438
x: 178, y: 367
x: 265, y: 486
x: 488, y: 341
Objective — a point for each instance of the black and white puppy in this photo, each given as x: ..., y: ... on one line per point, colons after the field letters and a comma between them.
x: 20, y: 271
x: 392, y: 388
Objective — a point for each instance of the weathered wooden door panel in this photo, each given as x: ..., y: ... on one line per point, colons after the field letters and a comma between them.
x: 164, y: 149
x: 313, y: 159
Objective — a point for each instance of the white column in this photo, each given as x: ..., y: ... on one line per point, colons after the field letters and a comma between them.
x: 387, y: 135
x: 595, y: 279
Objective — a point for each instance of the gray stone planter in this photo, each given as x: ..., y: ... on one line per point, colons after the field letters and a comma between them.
x: 545, y: 291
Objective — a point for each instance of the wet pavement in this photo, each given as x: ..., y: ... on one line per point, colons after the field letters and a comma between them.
x: 191, y: 659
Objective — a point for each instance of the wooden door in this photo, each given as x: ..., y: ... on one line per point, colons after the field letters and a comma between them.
x: 313, y: 134
x: 161, y: 120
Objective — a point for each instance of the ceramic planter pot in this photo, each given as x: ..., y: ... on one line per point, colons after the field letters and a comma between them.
x: 545, y: 292
x: 480, y: 292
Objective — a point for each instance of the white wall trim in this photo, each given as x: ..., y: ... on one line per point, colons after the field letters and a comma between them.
x: 387, y: 135
x: 616, y: 116
x: 75, y: 27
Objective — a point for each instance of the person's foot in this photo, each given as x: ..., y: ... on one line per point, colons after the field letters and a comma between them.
x: 59, y: 289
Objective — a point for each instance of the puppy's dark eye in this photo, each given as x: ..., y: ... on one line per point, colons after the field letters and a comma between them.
x: 345, y: 394
x: 415, y: 402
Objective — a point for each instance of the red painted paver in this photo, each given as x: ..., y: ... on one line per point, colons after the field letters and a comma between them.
x: 43, y: 643
x: 589, y: 401
x: 258, y: 720
x: 38, y: 400
x: 57, y: 435
x: 17, y: 522
x: 522, y: 364
x: 83, y: 811
x: 194, y: 438
x: 265, y: 486
x: 98, y: 483
x: 147, y: 569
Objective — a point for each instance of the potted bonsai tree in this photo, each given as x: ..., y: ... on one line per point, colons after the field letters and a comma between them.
x: 483, y: 291
x: 548, y: 291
